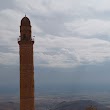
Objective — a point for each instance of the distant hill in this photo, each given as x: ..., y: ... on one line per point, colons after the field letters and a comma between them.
x: 79, y: 105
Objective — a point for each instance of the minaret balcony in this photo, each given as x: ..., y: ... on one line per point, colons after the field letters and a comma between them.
x: 25, y: 40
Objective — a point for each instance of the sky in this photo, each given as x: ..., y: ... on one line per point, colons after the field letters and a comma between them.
x: 72, y: 41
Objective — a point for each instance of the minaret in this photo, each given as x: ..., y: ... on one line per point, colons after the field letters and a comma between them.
x: 26, y: 66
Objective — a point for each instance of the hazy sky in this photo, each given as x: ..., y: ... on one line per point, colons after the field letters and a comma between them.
x: 72, y: 40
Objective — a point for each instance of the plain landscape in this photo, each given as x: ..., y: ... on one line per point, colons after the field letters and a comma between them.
x: 61, y: 99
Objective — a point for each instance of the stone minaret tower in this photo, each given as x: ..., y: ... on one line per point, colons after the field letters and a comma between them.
x: 26, y: 66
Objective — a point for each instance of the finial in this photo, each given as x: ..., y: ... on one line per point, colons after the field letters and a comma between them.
x: 25, y: 15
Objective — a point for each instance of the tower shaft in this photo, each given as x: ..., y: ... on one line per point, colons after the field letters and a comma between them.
x: 26, y: 67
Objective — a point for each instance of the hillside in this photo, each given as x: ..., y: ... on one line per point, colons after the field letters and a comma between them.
x: 71, y: 105
x: 9, y: 106
x: 79, y: 105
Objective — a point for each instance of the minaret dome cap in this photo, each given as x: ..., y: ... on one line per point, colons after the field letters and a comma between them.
x: 25, y: 21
